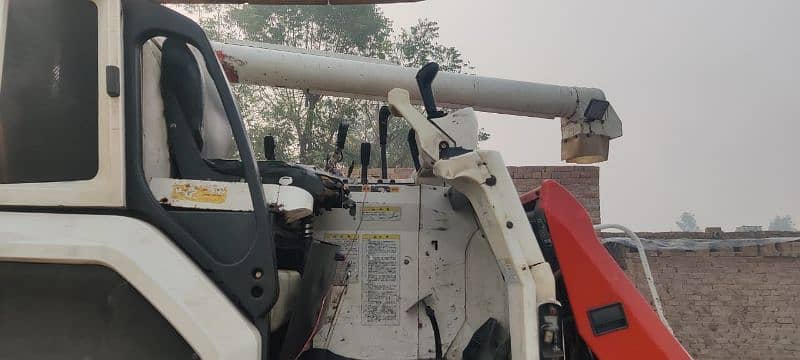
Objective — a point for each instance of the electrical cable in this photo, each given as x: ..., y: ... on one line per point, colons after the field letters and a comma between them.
x: 437, y: 337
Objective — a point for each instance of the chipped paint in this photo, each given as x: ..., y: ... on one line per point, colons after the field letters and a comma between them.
x: 229, y: 65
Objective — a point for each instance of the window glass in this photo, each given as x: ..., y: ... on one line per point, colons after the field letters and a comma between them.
x: 49, y: 92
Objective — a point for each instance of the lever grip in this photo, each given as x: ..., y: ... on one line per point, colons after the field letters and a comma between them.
x: 383, y: 124
x: 412, y: 146
x: 341, y: 135
x: 269, y: 147
x: 425, y: 77
x: 383, y: 130
x: 366, y: 149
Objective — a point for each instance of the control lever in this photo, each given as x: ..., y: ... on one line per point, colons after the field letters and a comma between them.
x: 383, y: 130
x: 269, y: 147
x: 366, y: 148
x: 412, y: 146
x: 341, y: 138
x: 425, y: 77
x: 350, y: 168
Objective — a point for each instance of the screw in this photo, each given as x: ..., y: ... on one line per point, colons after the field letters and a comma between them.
x: 443, y: 145
x: 509, y: 224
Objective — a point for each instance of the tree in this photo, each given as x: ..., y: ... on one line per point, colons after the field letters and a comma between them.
x: 305, y: 123
x: 687, y: 222
x: 782, y: 223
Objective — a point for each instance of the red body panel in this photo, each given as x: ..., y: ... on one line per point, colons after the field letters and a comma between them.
x: 593, y: 280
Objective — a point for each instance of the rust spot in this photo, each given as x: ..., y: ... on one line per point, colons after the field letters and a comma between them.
x: 229, y: 64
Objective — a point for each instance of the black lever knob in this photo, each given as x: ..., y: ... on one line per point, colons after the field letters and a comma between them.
x: 425, y: 77
x: 383, y: 123
x: 341, y: 135
x: 269, y: 147
x: 366, y: 148
x: 383, y: 130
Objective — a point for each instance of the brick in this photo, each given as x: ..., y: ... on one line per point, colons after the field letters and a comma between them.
x: 768, y: 250
x: 526, y: 184
x: 748, y: 251
x: 795, y: 245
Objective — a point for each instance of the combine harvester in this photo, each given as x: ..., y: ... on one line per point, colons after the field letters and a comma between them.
x: 124, y: 234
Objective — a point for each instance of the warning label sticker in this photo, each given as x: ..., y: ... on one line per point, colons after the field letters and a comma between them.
x: 380, y: 213
x: 380, y: 281
x: 347, y: 270
x: 202, y: 193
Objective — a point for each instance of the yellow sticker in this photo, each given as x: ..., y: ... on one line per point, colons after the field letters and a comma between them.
x: 340, y: 236
x: 380, y: 236
x: 381, y: 213
x: 202, y: 193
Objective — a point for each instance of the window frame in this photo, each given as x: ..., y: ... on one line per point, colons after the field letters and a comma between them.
x: 3, y: 22
x: 107, y: 188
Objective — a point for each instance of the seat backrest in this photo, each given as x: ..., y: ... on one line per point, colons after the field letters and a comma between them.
x: 155, y: 154
x: 214, y: 130
x: 184, y: 94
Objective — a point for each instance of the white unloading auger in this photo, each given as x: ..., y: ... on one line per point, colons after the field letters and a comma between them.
x: 588, y: 121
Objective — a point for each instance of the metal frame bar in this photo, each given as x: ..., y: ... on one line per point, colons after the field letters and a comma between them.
x: 3, y: 22
x: 648, y: 275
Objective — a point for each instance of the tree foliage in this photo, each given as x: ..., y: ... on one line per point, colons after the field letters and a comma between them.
x: 305, y: 124
x: 782, y: 223
x: 687, y: 222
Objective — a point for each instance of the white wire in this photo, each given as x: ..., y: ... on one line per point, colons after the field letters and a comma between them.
x: 645, y: 265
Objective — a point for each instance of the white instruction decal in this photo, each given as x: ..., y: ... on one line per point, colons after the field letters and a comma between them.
x: 347, y: 270
x: 380, y: 213
x: 380, y: 281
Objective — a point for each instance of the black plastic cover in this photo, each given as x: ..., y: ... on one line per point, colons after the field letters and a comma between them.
x: 112, y: 81
x: 607, y: 319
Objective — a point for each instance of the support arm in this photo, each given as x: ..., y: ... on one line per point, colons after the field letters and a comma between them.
x: 482, y: 176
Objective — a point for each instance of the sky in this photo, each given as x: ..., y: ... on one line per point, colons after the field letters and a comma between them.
x: 708, y: 93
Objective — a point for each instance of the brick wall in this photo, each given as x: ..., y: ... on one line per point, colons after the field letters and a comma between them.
x: 728, y: 303
x: 582, y: 181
